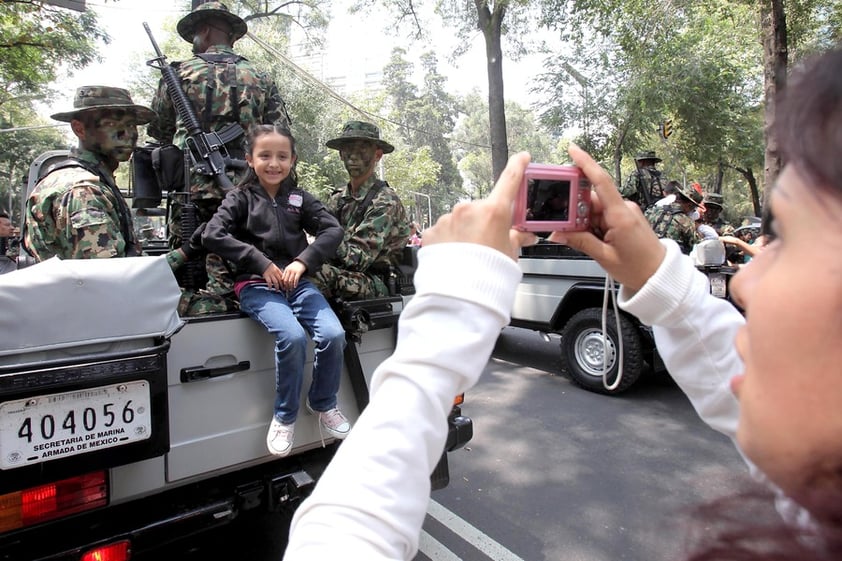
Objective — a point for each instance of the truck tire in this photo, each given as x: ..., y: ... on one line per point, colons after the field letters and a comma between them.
x: 582, y: 351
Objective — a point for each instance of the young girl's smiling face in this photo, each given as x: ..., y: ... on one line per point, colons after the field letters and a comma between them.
x: 272, y: 159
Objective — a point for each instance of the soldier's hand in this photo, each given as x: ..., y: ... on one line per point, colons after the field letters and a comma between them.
x: 621, y: 240
x: 193, y: 248
x: 488, y: 221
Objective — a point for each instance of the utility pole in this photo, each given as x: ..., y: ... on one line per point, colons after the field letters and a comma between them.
x: 429, y: 207
x: 585, y: 83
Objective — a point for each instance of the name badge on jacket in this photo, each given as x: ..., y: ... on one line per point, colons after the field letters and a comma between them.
x: 296, y: 200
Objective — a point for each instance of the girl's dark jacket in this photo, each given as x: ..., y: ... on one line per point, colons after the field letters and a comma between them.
x: 251, y: 230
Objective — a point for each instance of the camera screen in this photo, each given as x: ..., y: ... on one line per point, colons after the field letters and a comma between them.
x: 547, y: 199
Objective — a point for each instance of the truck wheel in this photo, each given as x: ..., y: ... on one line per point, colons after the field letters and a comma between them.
x: 582, y: 351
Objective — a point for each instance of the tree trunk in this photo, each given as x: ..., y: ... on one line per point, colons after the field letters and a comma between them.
x: 720, y: 173
x: 491, y: 24
x: 773, y: 26
x: 748, y: 174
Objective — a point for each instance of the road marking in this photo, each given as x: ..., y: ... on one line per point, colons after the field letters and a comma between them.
x: 434, y: 549
x: 470, y: 534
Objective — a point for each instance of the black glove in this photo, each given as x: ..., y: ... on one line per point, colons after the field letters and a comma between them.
x: 193, y: 248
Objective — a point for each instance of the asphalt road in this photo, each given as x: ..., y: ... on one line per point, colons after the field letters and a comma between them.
x: 553, y: 472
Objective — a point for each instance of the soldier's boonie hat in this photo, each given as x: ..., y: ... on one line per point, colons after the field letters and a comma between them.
x: 187, y: 25
x: 98, y: 98
x: 691, y: 194
x: 647, y: 155
x: 714, y: 199
x: 360, y: 130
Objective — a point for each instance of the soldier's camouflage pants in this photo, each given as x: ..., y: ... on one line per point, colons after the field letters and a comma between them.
x: 218, y: 293
x: 348, y: 285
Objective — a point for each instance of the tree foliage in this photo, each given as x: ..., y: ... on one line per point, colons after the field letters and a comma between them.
x: 427, y: 117
x: 36, y: 39
x: 472, y: 137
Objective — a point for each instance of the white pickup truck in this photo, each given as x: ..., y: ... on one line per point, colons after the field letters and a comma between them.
x: 562, y: 292
x: 124, y: 427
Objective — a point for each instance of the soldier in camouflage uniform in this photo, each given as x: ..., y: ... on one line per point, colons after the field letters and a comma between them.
x: 76, y: 210
x: 645, y: 186
x: 713, y: 214
x: 8, y: 261
x: 374, y: 220
x: 673, y: 221
x: 224, y: 88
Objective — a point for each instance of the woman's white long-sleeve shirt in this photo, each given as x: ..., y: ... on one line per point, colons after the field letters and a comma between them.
x: 694, y: 333
x: 371, y: 501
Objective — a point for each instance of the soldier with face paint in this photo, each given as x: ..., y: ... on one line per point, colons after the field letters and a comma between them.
x: 376, y: 228
x: 76, y: 210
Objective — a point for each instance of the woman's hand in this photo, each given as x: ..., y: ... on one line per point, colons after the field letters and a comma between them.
x: 621, y: 240
x: 488, y: 221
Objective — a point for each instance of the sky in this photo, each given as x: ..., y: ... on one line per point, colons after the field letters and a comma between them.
x: 351, y: 39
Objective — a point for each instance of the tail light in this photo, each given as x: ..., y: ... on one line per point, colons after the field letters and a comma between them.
x: 53, y: 500
x: 119, y: 551
x: 459, y: 400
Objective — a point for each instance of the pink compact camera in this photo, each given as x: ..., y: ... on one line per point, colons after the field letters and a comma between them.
x: 553, y: 199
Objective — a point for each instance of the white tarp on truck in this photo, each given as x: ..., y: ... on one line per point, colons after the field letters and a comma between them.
x: 60, y: 304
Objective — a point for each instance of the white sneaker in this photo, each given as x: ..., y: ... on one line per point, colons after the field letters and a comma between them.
x: 333, y: 421
x: 279, y: 438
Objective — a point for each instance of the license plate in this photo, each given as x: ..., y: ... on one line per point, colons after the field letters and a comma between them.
x: 717, y: 285
x: 48, y: 427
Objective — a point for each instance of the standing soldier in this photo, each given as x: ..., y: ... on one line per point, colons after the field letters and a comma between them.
x: 224, y: 88
x: 713, y: 214
x: 645, y: 186
x: 673, y: 221
x: 376, y: 228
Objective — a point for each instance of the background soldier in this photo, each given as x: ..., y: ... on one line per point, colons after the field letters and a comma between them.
x: 673, y: 221
x: 224, y: 88
x: 376, y: 228
x: 645, y: 186
x: 713, y: 214
x: 7, y: 262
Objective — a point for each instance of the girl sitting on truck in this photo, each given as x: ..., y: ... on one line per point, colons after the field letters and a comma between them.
x: 261, y: 227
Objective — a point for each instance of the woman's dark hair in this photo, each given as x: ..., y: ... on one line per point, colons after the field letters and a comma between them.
x: 255, y: 132
x: 808, y: 120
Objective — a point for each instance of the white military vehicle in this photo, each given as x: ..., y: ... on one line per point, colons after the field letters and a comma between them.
x: 562, y: 292
x: 124, y: 427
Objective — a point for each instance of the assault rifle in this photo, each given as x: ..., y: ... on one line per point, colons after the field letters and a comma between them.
x: 208, y: 154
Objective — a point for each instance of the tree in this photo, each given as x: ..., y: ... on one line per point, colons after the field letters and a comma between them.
x: 472, y: 137
x: 494, y: 18
x: 426, y: 119
x: 695, y: 65
x: 36, y: 39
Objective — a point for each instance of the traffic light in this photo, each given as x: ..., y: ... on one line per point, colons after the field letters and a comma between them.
x: 666, y: 128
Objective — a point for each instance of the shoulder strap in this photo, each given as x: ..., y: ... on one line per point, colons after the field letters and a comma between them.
x: 360, y: 212
x: 230, y: 61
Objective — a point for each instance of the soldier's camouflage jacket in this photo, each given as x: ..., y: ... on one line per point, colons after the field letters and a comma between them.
x: 374, y: 244
x: 380, y: 236
x: 73, y: 214
x: 670, y: 221
x: 644, y: 180
x: 722, y: 227
x: 231, y: 89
